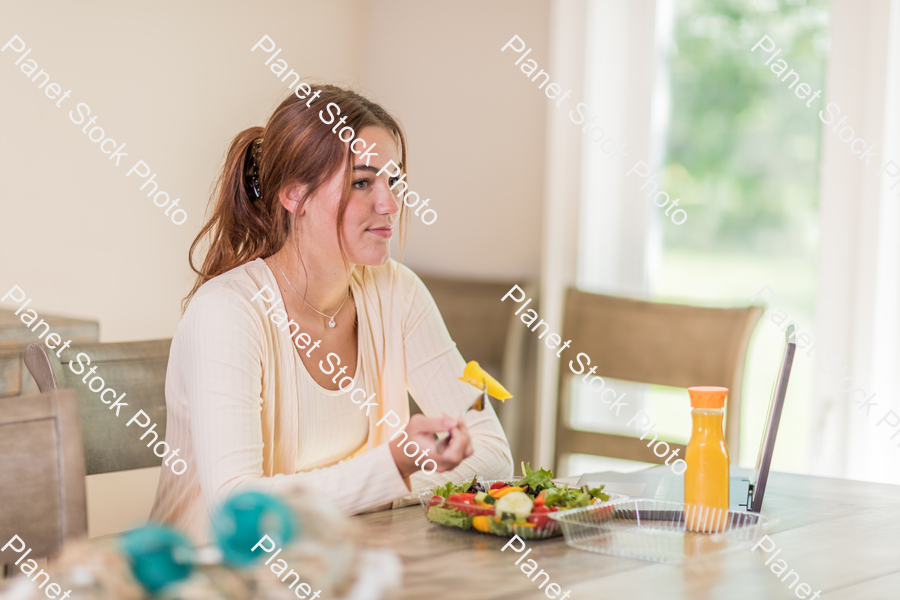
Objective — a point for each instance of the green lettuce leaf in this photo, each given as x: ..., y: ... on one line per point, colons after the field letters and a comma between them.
x: 597, y: 493
x: 464, y: 488
x: 566, y: 497
x: 448, y: 488
x: 555, y: 496
x: 449, y: 516
x: 577, y: 499
x: 499, y: 527
x: 542, y: 478
x: 444, y: 491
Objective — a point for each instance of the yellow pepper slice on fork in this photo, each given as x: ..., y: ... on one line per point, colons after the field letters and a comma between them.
x: 480, y: 378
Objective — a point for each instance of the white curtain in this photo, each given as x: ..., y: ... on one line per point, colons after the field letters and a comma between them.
x: 626, y: 89
x: 559, y: 246
x: 594, y: 216
x: 858, y: 290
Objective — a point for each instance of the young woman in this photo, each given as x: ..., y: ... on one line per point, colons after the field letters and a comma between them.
x: 297, y: 295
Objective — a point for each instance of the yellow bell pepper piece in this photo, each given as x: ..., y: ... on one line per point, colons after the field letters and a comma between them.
x: 481, y: 524
x: 497, y: 494
x: 478, y: 377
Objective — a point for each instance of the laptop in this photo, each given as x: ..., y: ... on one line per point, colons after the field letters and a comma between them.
x: 745, y: 491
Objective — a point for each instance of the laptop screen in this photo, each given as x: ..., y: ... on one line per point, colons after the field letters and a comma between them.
x: 776, y: 404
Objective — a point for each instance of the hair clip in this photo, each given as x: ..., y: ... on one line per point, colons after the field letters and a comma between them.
x: 251, y: 175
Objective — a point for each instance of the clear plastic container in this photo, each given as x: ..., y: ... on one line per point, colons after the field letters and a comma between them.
x: 655, y: 530
x: 548, y: 530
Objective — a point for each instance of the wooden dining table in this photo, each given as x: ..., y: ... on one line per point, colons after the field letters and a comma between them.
x: 842, y: 537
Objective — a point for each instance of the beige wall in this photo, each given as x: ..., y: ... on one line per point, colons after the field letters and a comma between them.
x: 475, y: 126
x: 176, y: 81
x: 173, y: 80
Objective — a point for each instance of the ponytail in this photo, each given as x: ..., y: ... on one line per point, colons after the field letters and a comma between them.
x: 237, y: 226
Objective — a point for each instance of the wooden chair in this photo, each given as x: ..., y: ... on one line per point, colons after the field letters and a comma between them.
x: 486, y: 330
x: 135, y: 368
x: 42, y: 495
x: 649, y: 342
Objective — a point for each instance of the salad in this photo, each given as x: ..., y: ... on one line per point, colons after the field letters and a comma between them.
x: 505, y: 508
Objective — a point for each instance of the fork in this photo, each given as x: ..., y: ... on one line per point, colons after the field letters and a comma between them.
x: 480, y: 402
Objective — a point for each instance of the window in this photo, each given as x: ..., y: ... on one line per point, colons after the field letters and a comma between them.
x: 741, y: 151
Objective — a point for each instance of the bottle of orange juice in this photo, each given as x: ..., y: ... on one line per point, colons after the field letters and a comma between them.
x: 706, y: 477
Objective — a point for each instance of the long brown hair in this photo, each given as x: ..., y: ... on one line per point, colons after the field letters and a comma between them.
x: 297, y: 147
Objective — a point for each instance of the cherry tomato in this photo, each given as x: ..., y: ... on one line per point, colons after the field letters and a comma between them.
x: 465, y: 503
x: 539, y: 516
x: 470, y: 508
x: 435, y: 500
x: 498, y: 485
x: 461, y: 497
x: 475, y: 510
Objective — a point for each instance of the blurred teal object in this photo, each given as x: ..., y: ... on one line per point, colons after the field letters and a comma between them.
x: 244, y: 519
x: 159, y: 556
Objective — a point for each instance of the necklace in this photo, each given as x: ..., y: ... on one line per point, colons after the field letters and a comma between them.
x: 331, y: 322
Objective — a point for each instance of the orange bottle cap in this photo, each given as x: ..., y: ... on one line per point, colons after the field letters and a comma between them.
x: 707, y: 396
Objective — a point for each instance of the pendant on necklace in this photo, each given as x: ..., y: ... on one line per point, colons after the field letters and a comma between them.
x: 331, y: 322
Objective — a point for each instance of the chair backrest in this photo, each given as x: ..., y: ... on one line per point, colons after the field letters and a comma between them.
x: 17, y: 331
x: 137, y: 369
x: 42, y: 495
x: 484, y: 329
x: 650, y: 342
x: 477, y: 320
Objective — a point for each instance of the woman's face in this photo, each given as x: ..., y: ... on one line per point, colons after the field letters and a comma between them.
x: 369, y: 220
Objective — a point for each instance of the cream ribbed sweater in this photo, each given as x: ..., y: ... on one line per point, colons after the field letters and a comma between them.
x: 237, y: 409
x: 335, y: 427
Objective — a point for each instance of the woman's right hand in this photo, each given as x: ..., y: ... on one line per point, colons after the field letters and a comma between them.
x: 422, y: 430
